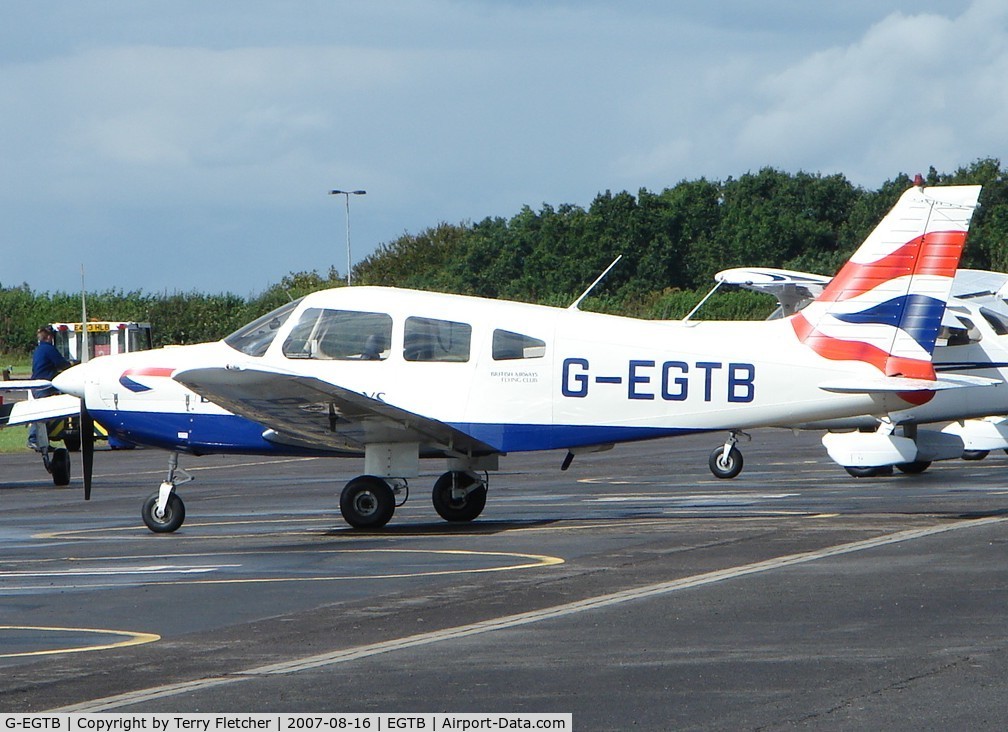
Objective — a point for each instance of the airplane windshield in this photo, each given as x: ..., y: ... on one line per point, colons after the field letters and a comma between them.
x: 253, y: 339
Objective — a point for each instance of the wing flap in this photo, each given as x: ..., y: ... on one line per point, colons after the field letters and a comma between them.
x: 304, y: 410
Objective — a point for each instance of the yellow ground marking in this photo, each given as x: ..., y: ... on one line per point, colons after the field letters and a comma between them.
x: 525, y: 561
x: 130, y: 638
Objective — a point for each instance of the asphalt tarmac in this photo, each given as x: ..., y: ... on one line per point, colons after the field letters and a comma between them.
x: 633, y: 590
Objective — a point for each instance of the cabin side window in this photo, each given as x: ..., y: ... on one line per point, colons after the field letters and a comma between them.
x: 508, y: 346
x: 427, y: 339
x: 342, y: 335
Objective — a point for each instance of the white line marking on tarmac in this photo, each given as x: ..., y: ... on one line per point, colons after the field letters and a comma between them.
x: 355, y: 653
x: 115, y: 571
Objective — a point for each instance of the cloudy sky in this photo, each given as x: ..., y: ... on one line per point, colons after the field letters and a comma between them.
x: 189, y: 145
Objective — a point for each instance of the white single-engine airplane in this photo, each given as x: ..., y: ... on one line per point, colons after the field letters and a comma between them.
x: 397, y: 375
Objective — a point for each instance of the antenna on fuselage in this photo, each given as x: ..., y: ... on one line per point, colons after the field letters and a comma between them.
x: 700, y: 304
x: 574, y: 305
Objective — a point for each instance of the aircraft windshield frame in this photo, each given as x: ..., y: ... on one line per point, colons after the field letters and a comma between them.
x: 255, y: 338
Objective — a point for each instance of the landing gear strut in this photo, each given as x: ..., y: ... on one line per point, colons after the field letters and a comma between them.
x: 163, y: 512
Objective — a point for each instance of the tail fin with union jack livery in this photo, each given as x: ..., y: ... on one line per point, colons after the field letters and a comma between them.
x: 885, y: 306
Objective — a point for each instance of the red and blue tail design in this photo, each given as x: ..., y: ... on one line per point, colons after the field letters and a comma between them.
x: 885, y: 306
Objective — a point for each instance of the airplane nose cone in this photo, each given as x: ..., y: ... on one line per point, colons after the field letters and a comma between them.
x: 72, y: 380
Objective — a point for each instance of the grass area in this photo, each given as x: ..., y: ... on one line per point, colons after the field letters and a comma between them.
x: 13, y: 439
x: 20, y: 363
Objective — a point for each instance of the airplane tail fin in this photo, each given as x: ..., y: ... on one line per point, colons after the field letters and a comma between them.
x: 885, y: 306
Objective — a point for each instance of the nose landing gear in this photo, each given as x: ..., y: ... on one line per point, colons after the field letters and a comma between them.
x: 726, y: 461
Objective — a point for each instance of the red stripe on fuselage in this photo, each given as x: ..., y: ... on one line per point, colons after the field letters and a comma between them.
x: 150, y: 371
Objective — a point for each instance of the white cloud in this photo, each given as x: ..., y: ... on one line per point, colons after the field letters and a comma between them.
x: 209, y: 135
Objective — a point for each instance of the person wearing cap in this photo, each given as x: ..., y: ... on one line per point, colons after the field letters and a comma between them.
x: 47, y: 361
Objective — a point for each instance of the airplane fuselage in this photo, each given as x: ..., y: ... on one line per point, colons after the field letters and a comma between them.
x: 514, y: 376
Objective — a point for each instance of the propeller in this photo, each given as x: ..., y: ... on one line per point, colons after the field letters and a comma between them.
x: 87, y: 447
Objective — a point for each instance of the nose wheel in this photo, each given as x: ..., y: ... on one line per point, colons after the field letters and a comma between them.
x: 163, y: 521
x: 163, y: 512
x: 726, y: 461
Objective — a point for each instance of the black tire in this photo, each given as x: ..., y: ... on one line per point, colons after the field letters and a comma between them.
x: 725, y: 468
x: 72, y: 441
x: 975, y: 454
x: 874, y: 471
x: 59, y: 466
x: 367, y: 502
x: 174, y: 514
x: 458, y: 509
x: 914, y: 468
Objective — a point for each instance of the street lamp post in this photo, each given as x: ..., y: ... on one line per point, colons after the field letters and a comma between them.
x: 347, y: 195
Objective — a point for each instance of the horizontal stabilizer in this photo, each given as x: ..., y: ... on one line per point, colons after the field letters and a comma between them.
x: 899, y: 384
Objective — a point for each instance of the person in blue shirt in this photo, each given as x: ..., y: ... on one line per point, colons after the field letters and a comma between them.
x: 47, y: 361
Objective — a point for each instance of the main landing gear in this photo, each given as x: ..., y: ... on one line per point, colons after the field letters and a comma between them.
x: 726, y: 461
x: 368, y: 502
x: 56, y: 460
x: 57, y: 464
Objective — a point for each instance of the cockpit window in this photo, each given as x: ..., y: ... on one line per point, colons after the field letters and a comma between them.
x: 508, y: 346
x: 340, y: 335
x: 253, y: 339
x: 427, y: 339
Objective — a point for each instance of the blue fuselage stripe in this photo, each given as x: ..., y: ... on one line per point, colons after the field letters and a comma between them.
x: 231, y: 434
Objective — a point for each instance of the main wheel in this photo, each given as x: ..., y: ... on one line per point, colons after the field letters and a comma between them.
x: 975, y: 454
x: 917, y: 466
x: 59, y: 464
x: 465, y: 508
x: 725, y: 467
x: 367, y: 502
x: 170, y: 520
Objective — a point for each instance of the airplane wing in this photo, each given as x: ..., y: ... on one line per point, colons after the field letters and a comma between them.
x: 306, y: 411
x: 973, y: 284
x: 24, y: 384
x: 39, y: 410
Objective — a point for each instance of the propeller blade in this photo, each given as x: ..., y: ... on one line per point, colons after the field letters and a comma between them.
x: 87, y: 447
